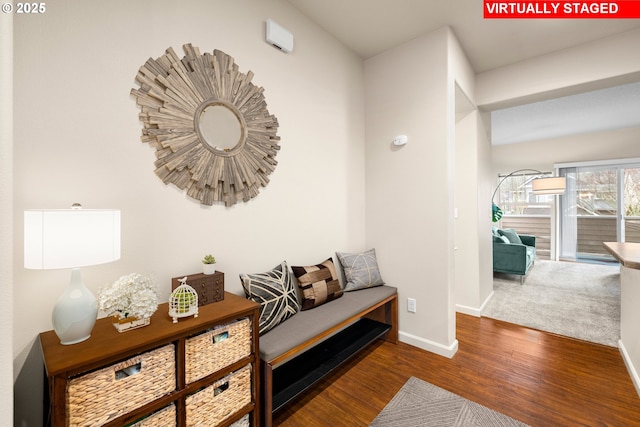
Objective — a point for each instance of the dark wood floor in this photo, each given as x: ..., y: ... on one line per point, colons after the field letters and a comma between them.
x: 535, y: 377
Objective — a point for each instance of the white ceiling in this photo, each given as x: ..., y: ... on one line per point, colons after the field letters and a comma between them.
x: 600, y: 110
x: 369, y: 27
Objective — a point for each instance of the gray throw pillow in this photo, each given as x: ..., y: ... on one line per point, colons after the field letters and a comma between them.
x: 275, y: 292
x: 360, y: 270
x: 510, y: 234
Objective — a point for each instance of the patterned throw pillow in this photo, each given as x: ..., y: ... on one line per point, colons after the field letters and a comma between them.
x: 276, y: 294
x: 360, y: 270
x: 318, y: 283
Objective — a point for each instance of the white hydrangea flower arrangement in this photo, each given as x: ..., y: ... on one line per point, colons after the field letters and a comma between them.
x: 133, y: 295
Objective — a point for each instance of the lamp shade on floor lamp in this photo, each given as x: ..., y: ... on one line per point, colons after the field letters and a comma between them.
x: 551, y: 185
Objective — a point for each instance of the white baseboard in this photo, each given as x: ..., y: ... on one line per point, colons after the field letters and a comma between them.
x: 486, y: 302
x: 630, y: 368
x: 472, y: 311
x: 433, y: 347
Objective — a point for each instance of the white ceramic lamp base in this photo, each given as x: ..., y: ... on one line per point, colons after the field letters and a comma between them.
x: 75, y: 312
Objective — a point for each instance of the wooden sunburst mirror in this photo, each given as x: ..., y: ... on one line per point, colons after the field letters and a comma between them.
x: 209, y: 125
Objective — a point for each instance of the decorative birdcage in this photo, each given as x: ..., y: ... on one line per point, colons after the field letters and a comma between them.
x: 183, y: 301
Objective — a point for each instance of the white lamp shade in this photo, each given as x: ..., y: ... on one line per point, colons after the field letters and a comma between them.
x: 552, y: 185
x: 70, y: 238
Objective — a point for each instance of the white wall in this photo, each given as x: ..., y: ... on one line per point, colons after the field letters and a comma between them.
x: 486, y: 182
x: 466, y: 249
x: 410, y: 90
x: 407, y: 188
x: 6, y: 215
x: 77, y: 139
x: 474, y: 272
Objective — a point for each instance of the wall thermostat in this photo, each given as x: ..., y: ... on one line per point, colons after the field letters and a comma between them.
x: 279, y: 36
x: 400, y: 140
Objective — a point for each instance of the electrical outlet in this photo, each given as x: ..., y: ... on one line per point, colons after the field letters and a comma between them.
x: 411, y: 305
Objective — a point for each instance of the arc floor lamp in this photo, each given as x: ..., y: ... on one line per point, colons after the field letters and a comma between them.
x: 554, y: 185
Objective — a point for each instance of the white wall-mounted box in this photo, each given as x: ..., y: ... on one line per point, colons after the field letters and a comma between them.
x: 279, y: 36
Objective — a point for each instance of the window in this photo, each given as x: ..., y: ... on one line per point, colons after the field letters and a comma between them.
x: 515, y: 196
x: 601, y: 204
x: 631, y: 193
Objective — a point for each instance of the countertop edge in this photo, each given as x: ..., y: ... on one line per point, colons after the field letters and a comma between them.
x: 628, y: 254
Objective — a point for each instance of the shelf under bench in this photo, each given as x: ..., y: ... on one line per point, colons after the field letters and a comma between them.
x: 295, y: 376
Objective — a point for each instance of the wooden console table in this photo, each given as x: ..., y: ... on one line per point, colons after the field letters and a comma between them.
x: 184, y: 366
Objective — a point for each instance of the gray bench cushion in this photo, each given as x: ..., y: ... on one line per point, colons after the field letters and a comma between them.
x: 309, y: 323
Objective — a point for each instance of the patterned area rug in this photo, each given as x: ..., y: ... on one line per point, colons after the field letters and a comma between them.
x: 572, y: 299
x: 420, y: 404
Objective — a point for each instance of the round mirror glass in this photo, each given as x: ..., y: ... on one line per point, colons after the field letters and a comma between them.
x: 219, y: 127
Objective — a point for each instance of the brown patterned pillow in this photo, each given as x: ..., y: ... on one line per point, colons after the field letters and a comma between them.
x: 318, y: 283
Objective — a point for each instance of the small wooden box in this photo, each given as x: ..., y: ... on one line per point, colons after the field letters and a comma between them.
x: 210, y: 287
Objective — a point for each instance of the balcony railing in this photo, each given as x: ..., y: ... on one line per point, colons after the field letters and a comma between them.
x: 592, y: 231
x: 537, y: 225
x: 632, y: 230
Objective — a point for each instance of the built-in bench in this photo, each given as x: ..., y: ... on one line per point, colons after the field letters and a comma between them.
x: 302, y: 350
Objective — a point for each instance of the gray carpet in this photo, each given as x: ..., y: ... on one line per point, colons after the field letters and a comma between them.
x: 572, y: 299
x: 420, y: 404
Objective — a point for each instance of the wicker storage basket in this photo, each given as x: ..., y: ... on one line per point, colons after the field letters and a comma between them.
x: 98, y: 397
x: 216, y: 349
x: 214, y: 404
x: 163, y: 418
x: 242, y: 422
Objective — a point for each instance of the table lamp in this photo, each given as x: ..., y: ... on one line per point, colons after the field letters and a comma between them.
x: 72, y: 238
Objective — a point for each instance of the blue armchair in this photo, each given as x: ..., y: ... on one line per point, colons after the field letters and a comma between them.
x: 513, y: 253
